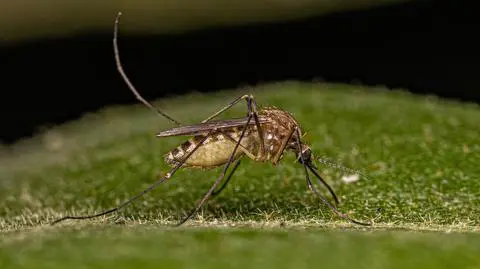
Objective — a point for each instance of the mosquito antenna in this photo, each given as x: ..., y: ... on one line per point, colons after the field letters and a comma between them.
x: 134, y: 198
x: 324, y: 183
x: 335, y: 165
x: 314, y: 189
x: 127, y: 80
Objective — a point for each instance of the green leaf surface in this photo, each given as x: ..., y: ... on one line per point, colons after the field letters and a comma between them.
x: 420, y: 155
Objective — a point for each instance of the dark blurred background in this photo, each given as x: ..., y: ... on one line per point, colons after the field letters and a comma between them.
x: 428, y: 47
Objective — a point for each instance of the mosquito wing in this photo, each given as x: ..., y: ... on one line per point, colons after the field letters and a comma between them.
x: 202, y: 128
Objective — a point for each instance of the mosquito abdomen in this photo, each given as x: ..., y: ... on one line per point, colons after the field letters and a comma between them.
x: 215, y: 151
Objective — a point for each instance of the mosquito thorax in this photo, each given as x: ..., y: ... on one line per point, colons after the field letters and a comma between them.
x: 280, y: 126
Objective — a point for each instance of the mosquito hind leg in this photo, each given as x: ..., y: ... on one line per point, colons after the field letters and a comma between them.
x: 222, y: 187
x: 151, y: 187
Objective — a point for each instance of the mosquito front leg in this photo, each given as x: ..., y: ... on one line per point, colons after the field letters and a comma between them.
x: 322, y: 181
x: 316, y: 192
x: 309, y: 165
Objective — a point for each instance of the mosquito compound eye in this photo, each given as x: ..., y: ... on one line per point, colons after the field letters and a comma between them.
x: 306, y: 155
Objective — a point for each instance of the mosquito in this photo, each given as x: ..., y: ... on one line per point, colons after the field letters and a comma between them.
x: 263, y: 136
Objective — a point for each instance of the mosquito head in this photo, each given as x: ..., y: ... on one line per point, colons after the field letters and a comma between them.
x: 305, y: 155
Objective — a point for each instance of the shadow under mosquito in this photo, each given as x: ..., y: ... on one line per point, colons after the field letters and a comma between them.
x: 240, y: 208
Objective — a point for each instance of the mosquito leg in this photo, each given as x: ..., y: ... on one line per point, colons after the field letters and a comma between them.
x: 219, y: 190
x: 252, y: 109
x: 234, y: 102
x: 127, y: 80
x: 312, y: 168
x: 151, y: 187
x: 282, y: 147
x: 221, y: 177
x: 245, y: 150
x: 319, y: 195
x: 321, y: 180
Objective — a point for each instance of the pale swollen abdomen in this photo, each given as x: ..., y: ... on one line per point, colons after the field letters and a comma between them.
x: 212, y: 153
